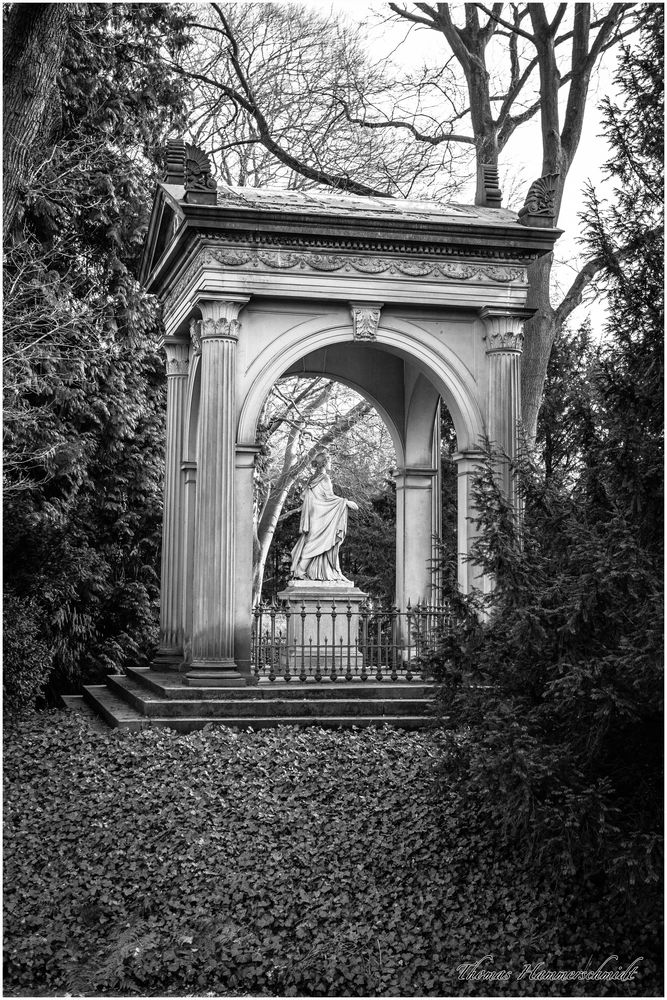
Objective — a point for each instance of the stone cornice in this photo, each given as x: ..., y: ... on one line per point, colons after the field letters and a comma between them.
x: 460, y: 236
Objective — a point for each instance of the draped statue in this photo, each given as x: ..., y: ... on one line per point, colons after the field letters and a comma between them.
x: 322, y: 529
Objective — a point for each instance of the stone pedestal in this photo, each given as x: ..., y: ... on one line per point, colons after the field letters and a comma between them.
x: 322, y: 627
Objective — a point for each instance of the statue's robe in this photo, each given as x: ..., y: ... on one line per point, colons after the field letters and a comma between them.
x: 322, y: 529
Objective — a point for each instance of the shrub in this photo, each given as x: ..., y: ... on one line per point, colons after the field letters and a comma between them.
x: 26, y: 657
x: 285, y: 862
x: 557, y: 678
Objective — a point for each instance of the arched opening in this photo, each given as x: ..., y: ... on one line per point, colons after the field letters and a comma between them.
x: 303, y: 415
x: 410, y: 407
x: 406, y: 375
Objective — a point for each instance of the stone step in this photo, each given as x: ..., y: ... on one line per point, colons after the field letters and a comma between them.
x: 115, y: 711
x: 118, y: 714
x: 168, y: 684
x: 149, y: 704
x: 77, y: 703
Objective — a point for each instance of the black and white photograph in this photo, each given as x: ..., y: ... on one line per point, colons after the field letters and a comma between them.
x: 333, y: 499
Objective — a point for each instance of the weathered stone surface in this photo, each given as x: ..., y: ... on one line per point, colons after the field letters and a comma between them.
x: 323, y: 625
x: 144, y: 699
x: 410, y: 302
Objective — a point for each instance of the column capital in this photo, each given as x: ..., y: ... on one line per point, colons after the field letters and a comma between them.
x: 365, y: 319
x: 504, y: 328
x: 219, y: 316
x: 177, y: 351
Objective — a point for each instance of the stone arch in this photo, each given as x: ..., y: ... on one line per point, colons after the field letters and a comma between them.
x: 434, y: 359
x: 436, y: 372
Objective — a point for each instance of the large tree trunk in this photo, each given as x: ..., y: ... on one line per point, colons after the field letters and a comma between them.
x: 540, y: 333
x: 34, y: 41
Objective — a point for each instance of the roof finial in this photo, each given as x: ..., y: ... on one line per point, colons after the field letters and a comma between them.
x: 488, y: 192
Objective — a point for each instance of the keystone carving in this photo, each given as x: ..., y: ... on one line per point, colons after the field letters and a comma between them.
x: 365, y: 319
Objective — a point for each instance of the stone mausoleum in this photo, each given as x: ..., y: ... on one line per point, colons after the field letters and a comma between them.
x: 407, y: 302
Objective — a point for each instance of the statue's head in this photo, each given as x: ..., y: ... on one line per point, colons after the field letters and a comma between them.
x: 320, y: 461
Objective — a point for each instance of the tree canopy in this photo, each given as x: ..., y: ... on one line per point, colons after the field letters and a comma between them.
x: 304, y: 88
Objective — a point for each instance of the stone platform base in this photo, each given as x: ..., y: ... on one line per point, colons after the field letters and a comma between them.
x: 143, y: 698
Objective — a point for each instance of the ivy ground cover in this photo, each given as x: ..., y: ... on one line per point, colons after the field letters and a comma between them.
x: 282, y: 862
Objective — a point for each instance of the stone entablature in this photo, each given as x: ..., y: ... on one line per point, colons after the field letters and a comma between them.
x: 255, y: 242
x: 244, y: 271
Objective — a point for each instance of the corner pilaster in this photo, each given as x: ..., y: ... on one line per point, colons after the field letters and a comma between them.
x: 170, y: 650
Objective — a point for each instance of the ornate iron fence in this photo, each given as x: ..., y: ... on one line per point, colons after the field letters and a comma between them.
x: 366, y: 643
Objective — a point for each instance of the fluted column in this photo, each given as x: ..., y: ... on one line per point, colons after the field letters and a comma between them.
x: 414, y: 521
x: 504, y: 344
x: 213, y: 602
x: 170, y: 650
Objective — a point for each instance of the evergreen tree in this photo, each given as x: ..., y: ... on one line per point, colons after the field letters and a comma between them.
x: 565, y: 712
x: 84, y: 382
x: 627, y: 236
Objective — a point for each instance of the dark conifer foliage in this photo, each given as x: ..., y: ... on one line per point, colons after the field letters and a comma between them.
x: 84, y: 382
x: 563, y: 752
x: 628, y: 236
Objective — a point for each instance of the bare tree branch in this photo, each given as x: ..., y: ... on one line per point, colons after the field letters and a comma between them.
x: 494, y: 16
x: 575, y: 292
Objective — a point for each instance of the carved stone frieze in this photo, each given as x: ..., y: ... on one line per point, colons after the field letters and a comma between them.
x: 305, y: 261
x: 365, y: 319
x: 287, y: 260
x: 182, y: 283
